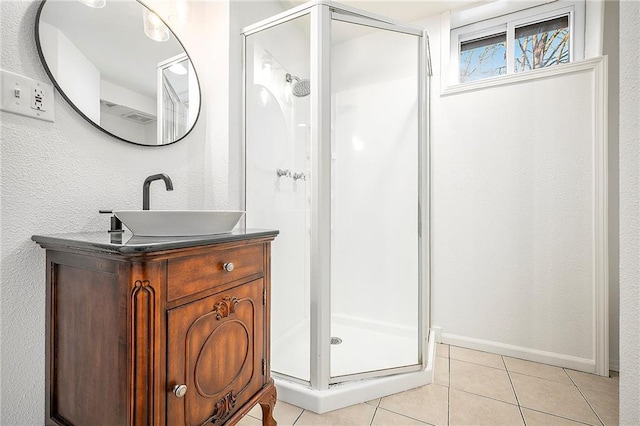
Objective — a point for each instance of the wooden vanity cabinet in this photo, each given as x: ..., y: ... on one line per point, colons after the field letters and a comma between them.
x: 140, y: 335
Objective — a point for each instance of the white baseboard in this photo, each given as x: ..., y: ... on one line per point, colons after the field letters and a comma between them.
x: 535, y: 355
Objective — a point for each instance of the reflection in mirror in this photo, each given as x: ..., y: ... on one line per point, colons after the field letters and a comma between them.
x: 120, y: 67
x: 177, y: 83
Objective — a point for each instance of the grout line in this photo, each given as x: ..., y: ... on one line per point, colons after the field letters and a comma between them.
x: 475, y: 363
x: 585, y: 398
x: 298, y: 418
x: 404, y: 415
x: 560, y: 417
x: 513, y: 388
x: 449, y: 389
x: 375, y: 411
x: 487, y: 397
x: 543, y: 378
x: 448, y: 406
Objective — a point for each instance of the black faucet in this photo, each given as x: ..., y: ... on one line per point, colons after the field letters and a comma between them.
x: 147, y: 185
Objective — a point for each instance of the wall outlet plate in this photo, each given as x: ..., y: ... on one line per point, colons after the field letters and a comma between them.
x: 25, y: 96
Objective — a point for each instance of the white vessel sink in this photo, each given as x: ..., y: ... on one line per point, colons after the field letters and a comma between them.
x: 178, y: 223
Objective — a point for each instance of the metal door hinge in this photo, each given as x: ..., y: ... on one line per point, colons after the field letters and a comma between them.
x: 264, y: 366
x: 264, y: 296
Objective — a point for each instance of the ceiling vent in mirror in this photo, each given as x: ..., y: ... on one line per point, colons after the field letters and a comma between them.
x: 138, y: 117
x: 126, y: 113
x: 107, y: 103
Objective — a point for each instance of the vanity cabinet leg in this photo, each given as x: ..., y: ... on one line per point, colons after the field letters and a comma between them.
x: 268, y: 402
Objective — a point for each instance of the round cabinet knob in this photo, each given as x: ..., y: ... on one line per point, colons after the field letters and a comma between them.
x: 180, y: 390
x: 228, y: 266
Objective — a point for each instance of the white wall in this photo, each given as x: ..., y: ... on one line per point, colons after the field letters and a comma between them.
x: 629, y: 213
x: 127, y: 129
x: 79, y: 77
x: 512, y: 216
x: 55, y: 177
x: 122, y: 96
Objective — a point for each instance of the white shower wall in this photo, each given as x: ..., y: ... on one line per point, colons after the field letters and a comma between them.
x: 375, y: 181
x: 375, y: 207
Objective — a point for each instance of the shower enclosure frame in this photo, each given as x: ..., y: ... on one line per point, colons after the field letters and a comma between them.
x: 322, y: 395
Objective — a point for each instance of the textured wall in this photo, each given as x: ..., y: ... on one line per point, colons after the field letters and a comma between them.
x: 511, y: 215
x: 55, y: 177
x: 629, y: 213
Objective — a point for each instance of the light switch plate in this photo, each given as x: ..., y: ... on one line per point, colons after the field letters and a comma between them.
x: 25, y: 96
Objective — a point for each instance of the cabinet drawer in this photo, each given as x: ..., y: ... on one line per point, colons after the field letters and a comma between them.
x: 189, y: 275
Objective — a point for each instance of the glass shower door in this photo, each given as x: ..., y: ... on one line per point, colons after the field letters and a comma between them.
x: 278, y: 180
x: 375, y: 159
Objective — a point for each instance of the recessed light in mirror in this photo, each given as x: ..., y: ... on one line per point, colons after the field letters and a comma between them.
x: 94, y: 3
x: 154, y: 28
x: 178, y: 69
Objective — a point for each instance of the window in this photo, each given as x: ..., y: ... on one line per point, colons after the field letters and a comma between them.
x: 525, y: 40
x: 483, y: 57
x: 542, y: 44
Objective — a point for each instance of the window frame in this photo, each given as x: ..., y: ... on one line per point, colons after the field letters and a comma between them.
x: 575, y: 10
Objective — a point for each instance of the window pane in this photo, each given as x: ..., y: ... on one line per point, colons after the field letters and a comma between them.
x: 542, y: 44
x: 483, y: 58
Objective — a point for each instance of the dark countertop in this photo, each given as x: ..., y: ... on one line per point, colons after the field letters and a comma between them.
x: 127, y: 243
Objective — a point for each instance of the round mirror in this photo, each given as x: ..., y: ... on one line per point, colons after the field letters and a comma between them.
x: 120, y: 67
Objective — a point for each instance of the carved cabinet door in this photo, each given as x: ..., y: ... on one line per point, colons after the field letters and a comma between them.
x: 215, y: 348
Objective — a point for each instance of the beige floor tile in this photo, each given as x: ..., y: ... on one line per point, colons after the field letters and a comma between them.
x: 591, y: 381
x: 427, y: 403
x: 476, y: 357
x: 536, y: 418
x: 284, y: 414
x: 481, y: 380
x: 249, y: 421
x: 442, y: 371
x: 474, y: 410
x: 535, y: 369
x: 386, y: 418
x: 256, y: 411
x: 442, y: 350
x: 553, y: 398
x: 605, y: 404
x: 374, y: 402
x: 355, y: 415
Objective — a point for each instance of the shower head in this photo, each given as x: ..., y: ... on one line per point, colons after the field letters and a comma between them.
x: 300, y: 88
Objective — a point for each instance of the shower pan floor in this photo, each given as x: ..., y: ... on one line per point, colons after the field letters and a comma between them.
x: 362, y: 349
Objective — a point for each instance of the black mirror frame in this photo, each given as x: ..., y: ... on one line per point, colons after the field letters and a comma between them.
x: 66, y: 98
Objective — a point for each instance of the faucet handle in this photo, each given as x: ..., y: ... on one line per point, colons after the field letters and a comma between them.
x: 299, y: 176
x: 283, y: 172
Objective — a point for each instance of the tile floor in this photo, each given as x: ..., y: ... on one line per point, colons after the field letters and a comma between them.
x: 477, y: 388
